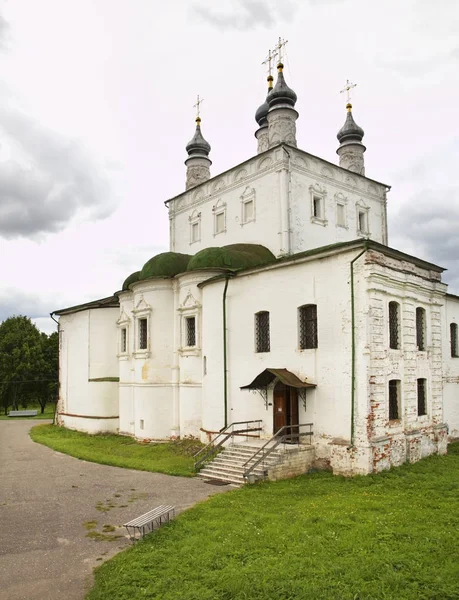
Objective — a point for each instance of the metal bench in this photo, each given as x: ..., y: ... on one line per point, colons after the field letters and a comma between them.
x: 23, y: 413
x: 145, y: 523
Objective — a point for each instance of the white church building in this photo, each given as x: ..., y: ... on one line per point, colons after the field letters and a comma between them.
x: 280, y: 301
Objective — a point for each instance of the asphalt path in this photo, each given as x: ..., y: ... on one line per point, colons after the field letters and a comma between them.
x: 47, y: 503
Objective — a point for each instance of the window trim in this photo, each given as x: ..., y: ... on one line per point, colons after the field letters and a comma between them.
x: 218, y: 209
x: 247, y: 197
x: 195, y: 221
x: 301, y: 313
x: 262, y: 346
x: 394, y: 344
x: 142, y: 311
x: 397, y: 385
x: 419, y: 399
x: 454, y: 342
x: 421, y: 329
x: 123, y: 323
x: 318, y: 194
x: 186, y: 331
x: 361, y: 208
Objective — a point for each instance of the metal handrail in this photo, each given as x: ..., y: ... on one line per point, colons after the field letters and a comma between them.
x: 212, y: 448
x: 277, y: 438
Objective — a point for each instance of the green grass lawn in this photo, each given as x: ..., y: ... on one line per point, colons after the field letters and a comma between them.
x: 48, y: 414
x: 172, y: 458
x: 392, y: 536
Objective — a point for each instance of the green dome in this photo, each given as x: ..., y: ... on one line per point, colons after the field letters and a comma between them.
x: 234, y: 256
x: 167, y: 264
x: 131, y: 279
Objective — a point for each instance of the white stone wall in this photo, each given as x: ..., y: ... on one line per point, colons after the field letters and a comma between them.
x: 450, y: 369
x: 88, y: 370
x: 281, y: 291
x: 282, y: 183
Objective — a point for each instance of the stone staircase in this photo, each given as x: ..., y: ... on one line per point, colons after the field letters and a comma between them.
x: 228, y: 465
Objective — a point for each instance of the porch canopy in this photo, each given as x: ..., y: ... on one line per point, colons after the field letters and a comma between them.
x: 267, y: 376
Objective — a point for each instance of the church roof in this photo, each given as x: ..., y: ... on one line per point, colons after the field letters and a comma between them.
x: 110, y: 302
x: 133, y: 277
x: 233, y: 256
x: 350, y: 131
x: 166, y: 264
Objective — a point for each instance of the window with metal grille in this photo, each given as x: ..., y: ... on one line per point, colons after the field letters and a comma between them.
x: 124, y: 340
x: 453, y: 332
x: 422, y: 397
x: 262, y: 341
x: 394, y: 325
x: 421, y: 328
x: 143, y: 334
x: 307, y: 326
x: 394, y: 399
x: 190, y: 331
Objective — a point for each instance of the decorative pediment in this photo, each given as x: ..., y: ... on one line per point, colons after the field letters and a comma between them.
x: 249, y: 192
x: 362, y: 204
x: 189, y: 302
x: 341, y: 198
x: 199, y: 195
x: 124, y: 319
x: 195, y: 215
x: 317, y: 189
x: 141, y: 307
x: 218, y: 205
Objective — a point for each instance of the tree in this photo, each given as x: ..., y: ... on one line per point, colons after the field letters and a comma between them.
x: 27, y: 359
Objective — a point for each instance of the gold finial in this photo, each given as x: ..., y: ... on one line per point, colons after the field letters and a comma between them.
x: 347, y: 88
x: 197, y: 106
x: 270, y: 82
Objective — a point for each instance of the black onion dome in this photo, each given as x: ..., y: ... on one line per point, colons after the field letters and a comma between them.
x: 350, y: 131
x: 262, y: 113
x: 281, y: 93
x: 198, y: 145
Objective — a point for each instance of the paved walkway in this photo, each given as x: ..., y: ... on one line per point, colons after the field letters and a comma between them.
x: 47, y: 498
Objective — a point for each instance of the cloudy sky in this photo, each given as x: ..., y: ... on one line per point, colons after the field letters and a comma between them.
x: 96, y: 107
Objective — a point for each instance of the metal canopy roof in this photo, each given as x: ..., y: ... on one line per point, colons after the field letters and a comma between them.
x: 268, y: 375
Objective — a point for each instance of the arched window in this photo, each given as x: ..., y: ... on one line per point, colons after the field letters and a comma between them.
x: 420, y: 328
x: 262, y: 337
x: 394, y: 325
x: 453, y: 333
x: 307, y: 326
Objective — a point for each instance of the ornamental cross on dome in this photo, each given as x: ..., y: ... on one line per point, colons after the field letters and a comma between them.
x: 347, y: 88
x: 197, y: 106
x: 269, y: 60
x: 278, y: 49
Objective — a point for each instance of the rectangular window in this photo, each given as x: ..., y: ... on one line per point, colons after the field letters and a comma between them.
x: 190, y: 331
x: 307, y: 326
x: 262, y: 338
x: 453, y: 332
x: 362, y: 221
x: 394, y: 399
x: 220, y: 222
x: 317, y: 207
x: 124, y: 340
x: 143, y: 334
x: 422, y: 397
x: 248, y: 211
x: 340, y: 215
x: 394, y: 325
x: 194, y: 232
x: 420, y: 328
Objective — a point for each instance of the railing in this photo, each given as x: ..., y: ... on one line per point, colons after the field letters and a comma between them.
x: 213, y: 448
x: 286, y: 434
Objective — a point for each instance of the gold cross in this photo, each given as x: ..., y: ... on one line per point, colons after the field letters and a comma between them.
x: 269, y: 59
x: 279, y: 46
x: 347, y: 88
x: 197, y: 106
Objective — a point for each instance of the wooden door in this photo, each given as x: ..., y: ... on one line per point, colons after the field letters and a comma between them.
x: 280, y: 406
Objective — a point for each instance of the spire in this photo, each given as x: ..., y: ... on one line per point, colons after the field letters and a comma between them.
x: 198, y: 149
x: 351, y: 149
x: 281, y: 101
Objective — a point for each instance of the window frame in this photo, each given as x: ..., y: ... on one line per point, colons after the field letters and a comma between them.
x: 317, y: 199
x: 307, y: 341
x: 142, y: 311
x: 343, y: 207
x: 195, y: 225
x: 394, y: 337
x: 123, y: 323
x: 188, y: 319
x: 246, y: 198
x: 262, y: 339
x: 421, y: 329
x: 421, y: 396
x: 362, y: 209
x: 142, y: 336
x: 219, y: 209
x: 394, y: 388
x: 454, y: 344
